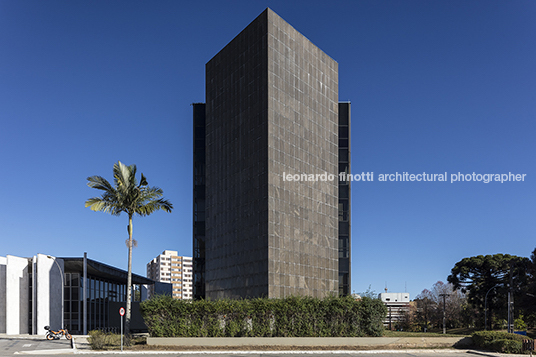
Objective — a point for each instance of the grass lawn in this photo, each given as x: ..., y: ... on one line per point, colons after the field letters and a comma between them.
x: 455, y: 332
x: 458, y: 332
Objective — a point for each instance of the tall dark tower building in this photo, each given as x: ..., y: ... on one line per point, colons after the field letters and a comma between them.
x: 262, y: 226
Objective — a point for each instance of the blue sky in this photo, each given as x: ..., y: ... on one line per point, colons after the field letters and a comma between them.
x: 435, y: 86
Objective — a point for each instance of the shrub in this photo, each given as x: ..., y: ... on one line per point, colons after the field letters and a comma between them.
x: 519, y: 324
x: 99, y: 340
x: 506, y: 346
x: 290, y: 317
x: 499, y: 341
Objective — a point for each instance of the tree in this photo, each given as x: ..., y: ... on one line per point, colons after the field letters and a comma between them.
x: 132, y: 198
x: 528, y: 301
x: 428, y: 312
x: 490, y: 274
x: 454, y: 303
x: 425, y: 309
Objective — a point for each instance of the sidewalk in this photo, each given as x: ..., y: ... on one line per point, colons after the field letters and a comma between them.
x: 274, y: 345
x: 81, y: 343
x: 34, y: 344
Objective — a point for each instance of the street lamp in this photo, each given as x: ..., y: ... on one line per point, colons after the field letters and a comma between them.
x: 486, y: 307
x: 62, y: 288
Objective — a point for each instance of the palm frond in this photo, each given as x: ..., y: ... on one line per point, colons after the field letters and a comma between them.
x: 98, y: 204
x: 153, y: 206
x: 143, y: 181
x: 99, y: 183
x: 124, y: 177
x: 150, y: 193
x: 127, y: 196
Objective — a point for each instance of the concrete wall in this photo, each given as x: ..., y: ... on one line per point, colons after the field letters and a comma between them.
x: 3, y: 263
x: 49, y: 286
x: 17, y: 295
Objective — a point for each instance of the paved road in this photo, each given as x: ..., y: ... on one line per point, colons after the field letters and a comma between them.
x: 10, y: 345
x: 280, y: 354
x: 296, y: 354
x: 40, y: 347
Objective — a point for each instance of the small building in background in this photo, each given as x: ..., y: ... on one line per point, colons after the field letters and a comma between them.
x: 397, y: 308
x: 169, y: 267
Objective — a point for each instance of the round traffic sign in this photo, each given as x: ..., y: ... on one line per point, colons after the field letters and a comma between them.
x: 122, y: 311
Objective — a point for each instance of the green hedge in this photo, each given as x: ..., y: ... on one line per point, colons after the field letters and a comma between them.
x: 499, y: 341
x: 289, y: 317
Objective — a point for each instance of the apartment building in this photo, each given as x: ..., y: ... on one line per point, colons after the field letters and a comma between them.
x: 170, y: 267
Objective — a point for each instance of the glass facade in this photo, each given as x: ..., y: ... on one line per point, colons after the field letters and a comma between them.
x: 199, y: 202
x: 344, y: 199
x: 105, y: 291
x: 100, y: 293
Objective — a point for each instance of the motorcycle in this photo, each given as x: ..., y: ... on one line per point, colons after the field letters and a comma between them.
x: 56, y: 335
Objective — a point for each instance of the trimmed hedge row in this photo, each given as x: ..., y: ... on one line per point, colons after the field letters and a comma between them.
x: 499, y: 341
x: 289, y: 317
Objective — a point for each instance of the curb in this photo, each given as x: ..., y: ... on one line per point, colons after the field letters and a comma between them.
x: 62, y: 351
x: 4, y: 336
x: 494, y: 354
x: 250, y: 352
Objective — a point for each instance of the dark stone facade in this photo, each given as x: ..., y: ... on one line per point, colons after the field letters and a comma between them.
x: 271, y: 110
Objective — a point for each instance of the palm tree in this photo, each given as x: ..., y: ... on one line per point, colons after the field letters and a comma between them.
x: 132, y: 198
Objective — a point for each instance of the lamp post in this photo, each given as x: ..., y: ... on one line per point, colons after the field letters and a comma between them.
x: 486, y: 307
x: 62, y: 288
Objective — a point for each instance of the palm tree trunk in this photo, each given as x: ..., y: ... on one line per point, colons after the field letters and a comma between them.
x: 129, y: 278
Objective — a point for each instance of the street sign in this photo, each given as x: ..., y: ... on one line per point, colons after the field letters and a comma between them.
x: 122, y: 313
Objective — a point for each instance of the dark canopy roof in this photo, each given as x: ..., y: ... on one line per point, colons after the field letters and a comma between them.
x: 103, y: 271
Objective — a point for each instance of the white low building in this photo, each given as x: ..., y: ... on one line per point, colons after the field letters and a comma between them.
x: 397, y: 307
x: 21, y: 281
x: 79, y: 294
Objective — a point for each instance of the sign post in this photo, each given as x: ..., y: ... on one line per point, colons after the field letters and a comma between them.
x: 122, y: 313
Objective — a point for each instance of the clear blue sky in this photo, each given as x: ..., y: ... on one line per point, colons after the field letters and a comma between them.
x: 435, y: 86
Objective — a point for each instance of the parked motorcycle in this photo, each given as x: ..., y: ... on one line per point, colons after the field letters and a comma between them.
x: 56, y: 335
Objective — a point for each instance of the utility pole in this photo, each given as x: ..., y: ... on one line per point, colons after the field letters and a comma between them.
x: 511, y: 301
x: 390, y: 320
x: 444, y: 303
x: 486, y: 307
